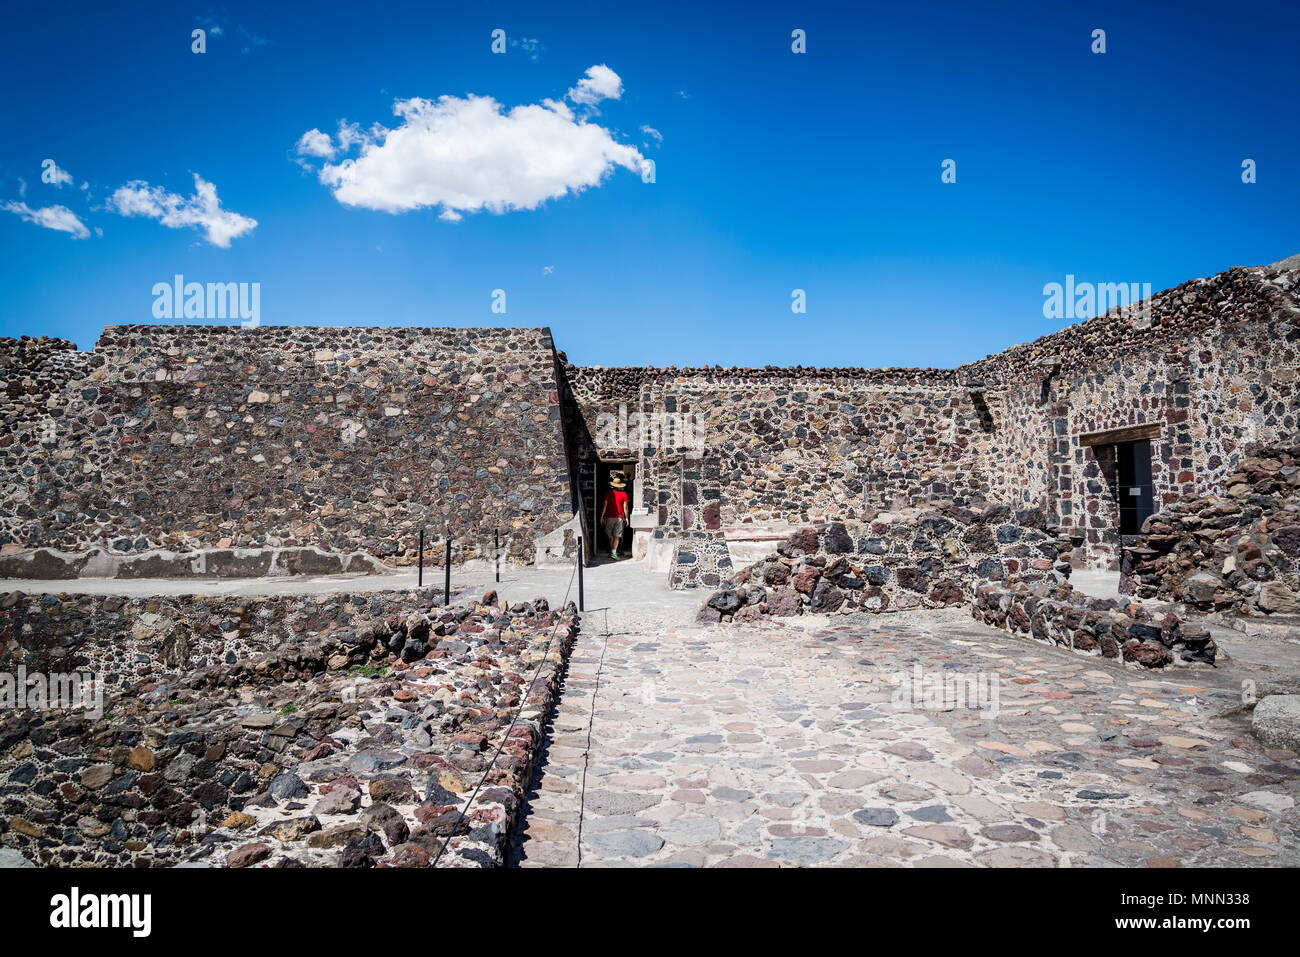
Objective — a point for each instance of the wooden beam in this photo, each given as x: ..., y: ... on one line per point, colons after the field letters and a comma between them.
x: 1131, y: 433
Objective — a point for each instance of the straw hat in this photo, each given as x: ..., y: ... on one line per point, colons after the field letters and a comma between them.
x: 616, y: 480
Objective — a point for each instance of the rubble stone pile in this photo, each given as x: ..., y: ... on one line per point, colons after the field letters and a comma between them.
x: 1110, y: 628
x: 1237, y: 552
x: 916, y: 558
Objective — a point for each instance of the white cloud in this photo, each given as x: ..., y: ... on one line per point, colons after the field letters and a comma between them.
x: 654, y: 135
x: 201, y: 211
x: 600, y: 83
x: 58, y: 218
x: 315, y: 143
x: 472, y: 154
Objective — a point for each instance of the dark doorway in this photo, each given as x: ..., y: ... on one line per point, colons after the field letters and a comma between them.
x: 603, y: 472
x: 1133, y: 489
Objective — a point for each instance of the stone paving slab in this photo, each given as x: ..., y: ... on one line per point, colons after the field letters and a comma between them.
x: 762, y: 746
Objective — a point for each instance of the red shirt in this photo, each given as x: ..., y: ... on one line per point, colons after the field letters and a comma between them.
x: 615, y: 503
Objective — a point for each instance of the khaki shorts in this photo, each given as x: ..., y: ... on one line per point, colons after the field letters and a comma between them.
x: 614, y: 531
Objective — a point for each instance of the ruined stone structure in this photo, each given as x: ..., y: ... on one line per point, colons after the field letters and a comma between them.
x: 176, y: 440
x: 405, y: 731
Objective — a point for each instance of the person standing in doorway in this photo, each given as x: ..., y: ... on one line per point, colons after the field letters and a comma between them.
x: 614, y: 513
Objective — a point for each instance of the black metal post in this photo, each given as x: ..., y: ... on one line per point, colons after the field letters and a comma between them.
x: 420, y: 582
x: 446, y: 589
x: 580, y: 602
x: 496, y: 550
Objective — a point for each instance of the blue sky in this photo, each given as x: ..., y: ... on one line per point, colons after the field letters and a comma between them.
x: 776, y: 171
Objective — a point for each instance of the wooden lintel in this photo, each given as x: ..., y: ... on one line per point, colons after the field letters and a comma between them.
x: 1131, y: 433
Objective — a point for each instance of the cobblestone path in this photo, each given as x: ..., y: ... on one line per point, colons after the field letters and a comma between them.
x: 770, y: 746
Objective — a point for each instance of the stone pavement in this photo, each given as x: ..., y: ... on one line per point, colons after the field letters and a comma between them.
x: 772, y: 745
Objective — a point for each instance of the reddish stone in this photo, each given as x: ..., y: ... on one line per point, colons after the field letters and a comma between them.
x: 247, y: 855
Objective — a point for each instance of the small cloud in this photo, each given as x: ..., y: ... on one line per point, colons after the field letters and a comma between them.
x: 59, y: 218
x: 652, y: 136
x: 201, y: 211
x: 683, y: 94
x: 600, y: 83
x: 22, y: 187
x: 547, y: 270
x: 315, y: 143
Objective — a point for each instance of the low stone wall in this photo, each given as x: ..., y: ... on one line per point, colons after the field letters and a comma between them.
x: 48, y: 564
x: 1058, y: 615
x: 1237, y: 552
x: 132, y: 639
x: 360, y: 746
x: 918, y: 558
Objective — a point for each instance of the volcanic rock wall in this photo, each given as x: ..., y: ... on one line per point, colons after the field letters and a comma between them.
x: 34, y: 373
x: 187, y: 437
x: 786, y: 445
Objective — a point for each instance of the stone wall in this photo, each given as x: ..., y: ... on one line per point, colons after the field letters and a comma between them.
x: 349, y: 439
x: 34, y: 374
x: 789, y: 446
x: 1237, y: 552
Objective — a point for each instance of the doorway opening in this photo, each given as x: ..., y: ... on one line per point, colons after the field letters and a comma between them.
x: 1133, y: 489
x: 603, y: 472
